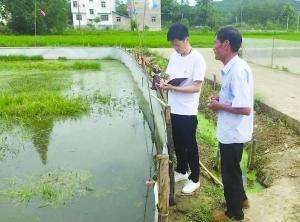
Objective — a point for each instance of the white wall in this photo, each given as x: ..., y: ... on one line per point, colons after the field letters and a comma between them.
x: 84, y: 8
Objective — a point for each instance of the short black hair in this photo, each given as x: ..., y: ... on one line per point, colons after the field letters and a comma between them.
x: 177, y: 31
x: 232, y: 35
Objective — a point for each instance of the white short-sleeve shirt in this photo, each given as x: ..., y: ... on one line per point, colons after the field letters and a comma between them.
x: 236, y: 91
x: 192, y: 67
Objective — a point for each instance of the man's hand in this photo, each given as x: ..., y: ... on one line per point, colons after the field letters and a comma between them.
x: 213, y: 97
x: 215, y: 105
x: 164, y: 86
x: 168, y: 87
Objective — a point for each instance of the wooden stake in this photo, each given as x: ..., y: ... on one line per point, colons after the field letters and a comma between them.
x: 171, y: 154
x: 251, y: 155
x: 143, y: 62
x: 215, y: 81
x: 163, y: 187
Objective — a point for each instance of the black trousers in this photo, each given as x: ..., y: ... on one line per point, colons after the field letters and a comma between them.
x: 231, y: 156
x: 186, y: 148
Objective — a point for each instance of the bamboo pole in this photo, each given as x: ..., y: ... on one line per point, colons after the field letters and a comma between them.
x: 171, y: 151
x: 163, y: 103
x: 163, y: 187
x: 216, y: 180
x: 215, y: 82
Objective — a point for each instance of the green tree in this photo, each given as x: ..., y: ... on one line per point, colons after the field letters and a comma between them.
x: 205, y: 13
x: 287, y: 15
x: 121, y: 8
x: 22, y: 15
x: 266, y: 14
x: 170, y: 11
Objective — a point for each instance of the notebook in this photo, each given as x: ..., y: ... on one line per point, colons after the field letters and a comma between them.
x: 177, y: 81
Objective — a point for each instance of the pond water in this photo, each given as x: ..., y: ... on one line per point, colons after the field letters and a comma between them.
x: 112, y: 142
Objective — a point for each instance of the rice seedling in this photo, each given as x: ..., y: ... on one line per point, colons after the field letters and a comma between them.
x: 50, y: 65
x: 126, y: 38
x: 51, y: 188
x: 9, y: 58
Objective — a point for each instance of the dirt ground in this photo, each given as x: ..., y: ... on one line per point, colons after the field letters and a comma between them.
x: 278, y: 168
x: 278, y: 203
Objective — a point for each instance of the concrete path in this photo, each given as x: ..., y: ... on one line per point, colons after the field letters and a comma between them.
x: 277, y: 89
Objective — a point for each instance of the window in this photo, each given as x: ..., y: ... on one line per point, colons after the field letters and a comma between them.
x: 75, y: 4
x: 103, y: 4
x: 104, y: 17
x: 153, y: 19
x: 91, y: 0
x: 92, y: 11
x: 118, y: 19
x: 79, y: 17
x: 90, y: 20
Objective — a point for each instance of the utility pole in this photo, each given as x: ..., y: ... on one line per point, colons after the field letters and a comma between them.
x: 298, y: 22
x: 35, y: 23
x: 241, y: 15
x: 78, y: 13
x: 287, y: 22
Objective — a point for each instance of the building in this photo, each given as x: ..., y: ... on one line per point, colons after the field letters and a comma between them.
x: 2, y: 20
x: 97, y: 14
x: 147, y: 13
x: 121, y: 21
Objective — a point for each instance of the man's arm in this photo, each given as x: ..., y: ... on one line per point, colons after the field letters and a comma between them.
x: 194, y: 88
x: 240, y: 87
x: 216, y: 106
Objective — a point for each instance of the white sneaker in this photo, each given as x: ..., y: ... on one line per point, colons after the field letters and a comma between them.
x: 180, y: 176
x: 190, y: 187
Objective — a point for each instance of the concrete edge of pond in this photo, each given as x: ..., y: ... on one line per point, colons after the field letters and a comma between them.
x: 138, y: 74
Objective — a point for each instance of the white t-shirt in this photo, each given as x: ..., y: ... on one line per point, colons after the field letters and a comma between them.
x: 192, y: 67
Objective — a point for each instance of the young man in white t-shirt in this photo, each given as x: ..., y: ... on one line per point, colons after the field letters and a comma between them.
x: 185, y: 63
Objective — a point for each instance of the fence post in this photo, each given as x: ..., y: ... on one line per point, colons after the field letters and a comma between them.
x: 171, y: 154
x: 163, y: 187
x: 272, y: 56
x: 215, y: 81
x: 251, y: 155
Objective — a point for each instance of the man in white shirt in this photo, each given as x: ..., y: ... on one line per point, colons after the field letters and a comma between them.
x: 185, y: 63
x: 234, y: 106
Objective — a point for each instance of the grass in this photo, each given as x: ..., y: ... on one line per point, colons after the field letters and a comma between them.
x: 199, y: 207
x: 125, y: 38
x: 202, y: 213
x: 20, y: 58
x: 207, y: 131
x: 32, y: 97
x: 40, y: 106
x: 86, y: 65
x: 36, y: 94
x: 53, y: 188
x: 50, y: 65
x: 98, y: 98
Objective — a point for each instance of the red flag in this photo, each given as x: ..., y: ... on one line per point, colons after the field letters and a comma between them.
x: 42, y: 13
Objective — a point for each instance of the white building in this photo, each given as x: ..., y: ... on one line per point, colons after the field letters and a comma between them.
x: 2, y: 20
x: 97, y: 13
